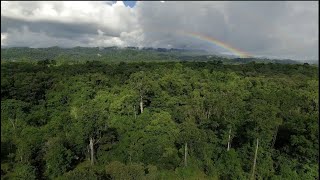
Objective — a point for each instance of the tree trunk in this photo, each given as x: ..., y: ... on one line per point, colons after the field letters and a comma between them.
x: 229, y: 144
x: 274, y: 137
x: 13, y: 123
x: 255, y: 160
x: 91, y: 150
x: 88, y: 151
x: 141, y: 104
x: 130, y: 160
x: 185, y: 154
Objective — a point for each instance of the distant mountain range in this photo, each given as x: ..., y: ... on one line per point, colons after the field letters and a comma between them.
x: 130, y: 54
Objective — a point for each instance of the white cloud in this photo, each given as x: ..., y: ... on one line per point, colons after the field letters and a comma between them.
x: 113, y: 16
x: 3, y: 38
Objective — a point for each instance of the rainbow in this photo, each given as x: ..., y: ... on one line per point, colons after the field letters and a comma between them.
x: 206, y: 38
x: 216, y: 42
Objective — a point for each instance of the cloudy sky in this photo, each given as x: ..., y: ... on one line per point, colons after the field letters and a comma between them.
x: 274, y: 29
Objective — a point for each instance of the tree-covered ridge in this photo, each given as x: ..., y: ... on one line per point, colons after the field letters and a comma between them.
x: 127, y: 54
x: 166, y: 120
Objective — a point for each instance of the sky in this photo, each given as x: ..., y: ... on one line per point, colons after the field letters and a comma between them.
x: 279, y: 29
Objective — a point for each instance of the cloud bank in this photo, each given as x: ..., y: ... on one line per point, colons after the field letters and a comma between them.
x: 272, y: 29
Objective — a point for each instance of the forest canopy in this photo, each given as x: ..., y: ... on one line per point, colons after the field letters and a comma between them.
x: 158, y: 120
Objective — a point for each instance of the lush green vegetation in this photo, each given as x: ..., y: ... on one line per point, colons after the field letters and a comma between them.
x: 159, y: 120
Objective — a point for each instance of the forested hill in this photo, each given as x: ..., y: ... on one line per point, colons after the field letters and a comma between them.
x: 159, y: 120
x: 129, y: 54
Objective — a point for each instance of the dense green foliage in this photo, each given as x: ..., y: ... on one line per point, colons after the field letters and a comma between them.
x: 138, y: 120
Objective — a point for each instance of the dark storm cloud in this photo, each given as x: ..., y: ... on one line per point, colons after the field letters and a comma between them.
x: 280, y: 29
x: 56, y: 29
